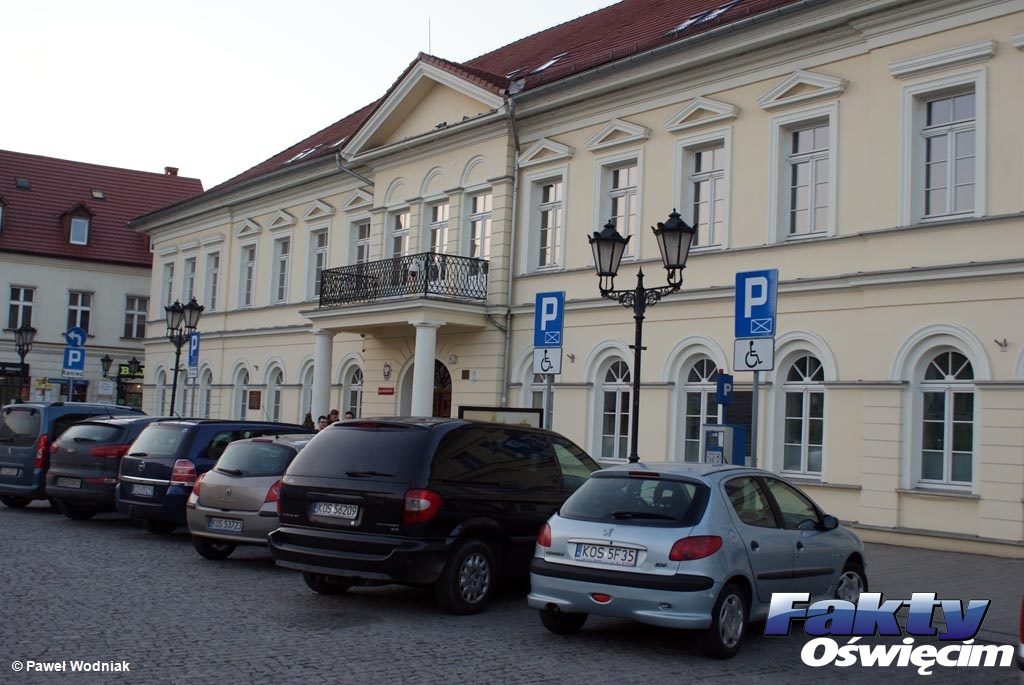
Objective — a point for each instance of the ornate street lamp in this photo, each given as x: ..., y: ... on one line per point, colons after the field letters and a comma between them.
x: 134, y: 366
x: 105, y: 362
x: 23, y: 338
x: 674, y: 237
x: 182, y: 321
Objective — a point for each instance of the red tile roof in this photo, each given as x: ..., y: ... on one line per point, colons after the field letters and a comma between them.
x: 615, y: 32
x: 32, y: 218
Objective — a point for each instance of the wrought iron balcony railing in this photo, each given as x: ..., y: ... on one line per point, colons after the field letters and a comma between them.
x: 428, y: 274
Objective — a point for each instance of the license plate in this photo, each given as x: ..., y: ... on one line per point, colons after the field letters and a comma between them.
x: 142, y: 490
x: 9, y: 471
x: 224, y: 525
x: 69, y: 482
x: 606, y: 554
x: 341, y: 511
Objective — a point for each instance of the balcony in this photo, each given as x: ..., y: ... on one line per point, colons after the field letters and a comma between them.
x: 427, y: 275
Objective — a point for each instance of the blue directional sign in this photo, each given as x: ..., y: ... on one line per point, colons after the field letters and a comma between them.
x: 73, y: 365
x: 755, y: 303
x: 548, y: 317
x: 723, y: 391
x: 75, y: 336
x: 193, y: 349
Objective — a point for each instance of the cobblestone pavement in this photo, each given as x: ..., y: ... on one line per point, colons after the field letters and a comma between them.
x: 106, y: 590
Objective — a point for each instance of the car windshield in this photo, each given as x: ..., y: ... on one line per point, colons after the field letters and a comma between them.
x: 90, y: 432
x: 19, y: 427
x: 641, y: 501
x: 255, y: 459
x: 366, y: 450
x: 159, y: 441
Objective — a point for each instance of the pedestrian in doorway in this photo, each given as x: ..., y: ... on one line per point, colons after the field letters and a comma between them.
x: 349, y: 414
x: 332, y: 417
x: 322, y: 423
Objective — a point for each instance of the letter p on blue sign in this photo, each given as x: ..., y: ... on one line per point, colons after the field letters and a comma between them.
x: 548, y: 317
x: 755, y: 303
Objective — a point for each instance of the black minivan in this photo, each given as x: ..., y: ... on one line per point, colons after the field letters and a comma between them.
x: 442, y: 502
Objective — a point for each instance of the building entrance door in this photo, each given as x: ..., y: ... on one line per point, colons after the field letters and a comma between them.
x: 442, y: 390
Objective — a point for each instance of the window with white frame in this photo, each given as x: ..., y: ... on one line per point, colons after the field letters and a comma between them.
x: 537, y: 392
x: 212, y: 280
x: 274, y: 393
x: 620, y: 200
x: 282, y: 260
x: 399, y: 230
x: 20, y: 312
x: 947, y: 421
x: 804, y: 416
x: 79, y: 309
x: 437, y: 227
x: 949, y: 154
x: 168, y: 282
x: 549, y: 216
x: 205, y: 393
x: 353, y: 399
x: 135, y: 316
x: 189, y: 290
x: 79, y: 230
x: 699, y: 406
x: 159, y: 394
x: 361, y: 242
x: 241, y: 394
x: 318, y: 245
x: 615, y: 411
x: 480, y: 225
x: 707, y: 194
x: 247, y: 276
x: 807, y: 179
x: 306, y: 399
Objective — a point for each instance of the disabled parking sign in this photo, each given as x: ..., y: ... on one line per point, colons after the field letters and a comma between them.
x: 756, y: 293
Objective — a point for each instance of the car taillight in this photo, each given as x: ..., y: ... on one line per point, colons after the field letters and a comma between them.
x: 696, y: 547
x: 109, y: 451
x: 197, y: 485
x: 544, y: 536
x: 183, y: 473
x: 42, y: 452
x: 420, y: 506
x: 274, y: 493
x: 53, y: 449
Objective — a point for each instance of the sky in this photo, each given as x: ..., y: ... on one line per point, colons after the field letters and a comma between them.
x: 215, y: 87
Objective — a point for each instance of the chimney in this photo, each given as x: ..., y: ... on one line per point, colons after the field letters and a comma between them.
x: 171, y: 170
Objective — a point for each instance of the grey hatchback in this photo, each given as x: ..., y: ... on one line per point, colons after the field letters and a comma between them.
x: 688, y: 546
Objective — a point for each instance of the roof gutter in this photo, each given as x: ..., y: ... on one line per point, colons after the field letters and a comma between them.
x: 342, y: 167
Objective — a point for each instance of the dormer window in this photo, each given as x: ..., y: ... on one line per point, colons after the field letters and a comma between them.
x: 22, y: 183
x: 79, y: 230
x: 98, y: 194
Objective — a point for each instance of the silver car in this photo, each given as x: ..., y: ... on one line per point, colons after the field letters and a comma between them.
x: 700, y: 547
x: 235, y: 503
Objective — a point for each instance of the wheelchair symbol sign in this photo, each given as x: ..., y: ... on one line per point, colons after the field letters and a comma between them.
x: 754, y: 354
x: 547, y: 360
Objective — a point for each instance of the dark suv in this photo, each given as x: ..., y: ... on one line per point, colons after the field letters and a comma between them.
x: 441, y: 502
x: 26, y: 433
x: 85, y: 460
x: 163, y: 463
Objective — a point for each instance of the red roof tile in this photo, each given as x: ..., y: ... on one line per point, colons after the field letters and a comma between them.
x: 32, y: 218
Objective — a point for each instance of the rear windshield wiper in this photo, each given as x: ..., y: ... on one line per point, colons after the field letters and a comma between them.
x: 138, y: 454
x: 230, y: 472
x: 83, y: 439
x: 641, y: 515
x: 6, y: 439
x: 367, y: 474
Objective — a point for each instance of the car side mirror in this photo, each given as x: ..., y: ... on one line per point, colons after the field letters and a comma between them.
x: 829, y: 522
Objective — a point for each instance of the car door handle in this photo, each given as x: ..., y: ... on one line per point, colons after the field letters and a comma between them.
x: 754, y: 546
x: 799, y: 546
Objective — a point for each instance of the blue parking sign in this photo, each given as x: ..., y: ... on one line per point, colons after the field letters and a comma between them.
x: 548, y: 316
x: 756, y: 293
x: 193, y: 349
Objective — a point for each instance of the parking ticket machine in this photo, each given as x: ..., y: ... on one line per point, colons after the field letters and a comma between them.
x: 723, y: 444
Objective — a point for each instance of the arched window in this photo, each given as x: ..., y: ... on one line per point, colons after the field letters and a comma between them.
x: 205, y: 393
x: 159, y: 401
x: 274, y: 394
x: 947, y: 420
x: 353, y: 399
x: 699, y: 406
x: 615, y: 406
x: 804, y: 418
x: 241, y: 393
x: 306, y: 402
x: 536, y: 390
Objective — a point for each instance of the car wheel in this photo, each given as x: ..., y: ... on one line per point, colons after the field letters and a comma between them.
x: 213, y: 549
x: 159, y: 527
x: 852, y: 582
x: 467, y: 581
x: 728, y: 624
x: 15, y: 502
x: 561, y: 623
x: 54, y: 504
x: 76, y: 513
x: 324, y: 584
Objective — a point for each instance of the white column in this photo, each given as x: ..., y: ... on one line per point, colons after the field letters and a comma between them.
x: 423, y: 368
x: 322, y: 373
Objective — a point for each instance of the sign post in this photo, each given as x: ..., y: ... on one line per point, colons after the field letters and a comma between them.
x: 193, y: 367
x: 73, y: 365
x: 548, y: 321
x: 754, y: 349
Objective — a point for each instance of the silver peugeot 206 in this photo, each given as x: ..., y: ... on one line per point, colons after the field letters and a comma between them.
x: 700, y: 547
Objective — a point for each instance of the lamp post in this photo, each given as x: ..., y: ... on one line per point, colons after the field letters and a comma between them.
x: 674, y: 239
x: 23, y: 338
x: 105, y: 362
x: 181, y: 323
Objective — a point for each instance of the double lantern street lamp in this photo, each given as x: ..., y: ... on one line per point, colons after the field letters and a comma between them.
x: 675, y: 237
x: 182, y: 320
x: 23, y: 338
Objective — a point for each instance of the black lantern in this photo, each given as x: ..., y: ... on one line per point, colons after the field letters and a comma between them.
x: 24, y: 336
x: 608, y: 246
x: 193, y: 310
x: 182, y: 320
x: 134, y: 367
x: 675, y: 237
x: 175, y: 317
x: 105, y: 362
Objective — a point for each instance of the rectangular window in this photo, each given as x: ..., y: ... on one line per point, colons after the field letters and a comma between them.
x: 20, y: 313
x: 361, y: 251
x: 190, y: 280
x: 319, y: 260
x: 79, y: 231
x: 480, y: 226
x: 212, y: 280
x: 707, y: 184
x: 282, y: 249
x: 79, y: 309
x: 808, y: 179
x: 247, y: 275
x: 622, y: 200
x: 399, y: 234
x: 549, y: 223
x: 437, y: 228
x: 949, y: 155
x: 135, y: 317
x: 169, y: 283
x: 803, y: 431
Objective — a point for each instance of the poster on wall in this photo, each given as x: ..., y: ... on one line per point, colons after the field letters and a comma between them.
x: 255, y: 397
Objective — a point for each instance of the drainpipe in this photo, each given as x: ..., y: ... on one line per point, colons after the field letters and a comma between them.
x: 342, y: 167
x: 505, y: 371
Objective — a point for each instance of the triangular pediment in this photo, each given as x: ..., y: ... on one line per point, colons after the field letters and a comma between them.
x: 248, y: 227
x: 317, y: 210
x: 701, y: 112
x: 426, y: 99
x: 543, y: 151
x: 617, y: 132
x: 358, y: 199
x: 281, y: 219
x: 802, y: 87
